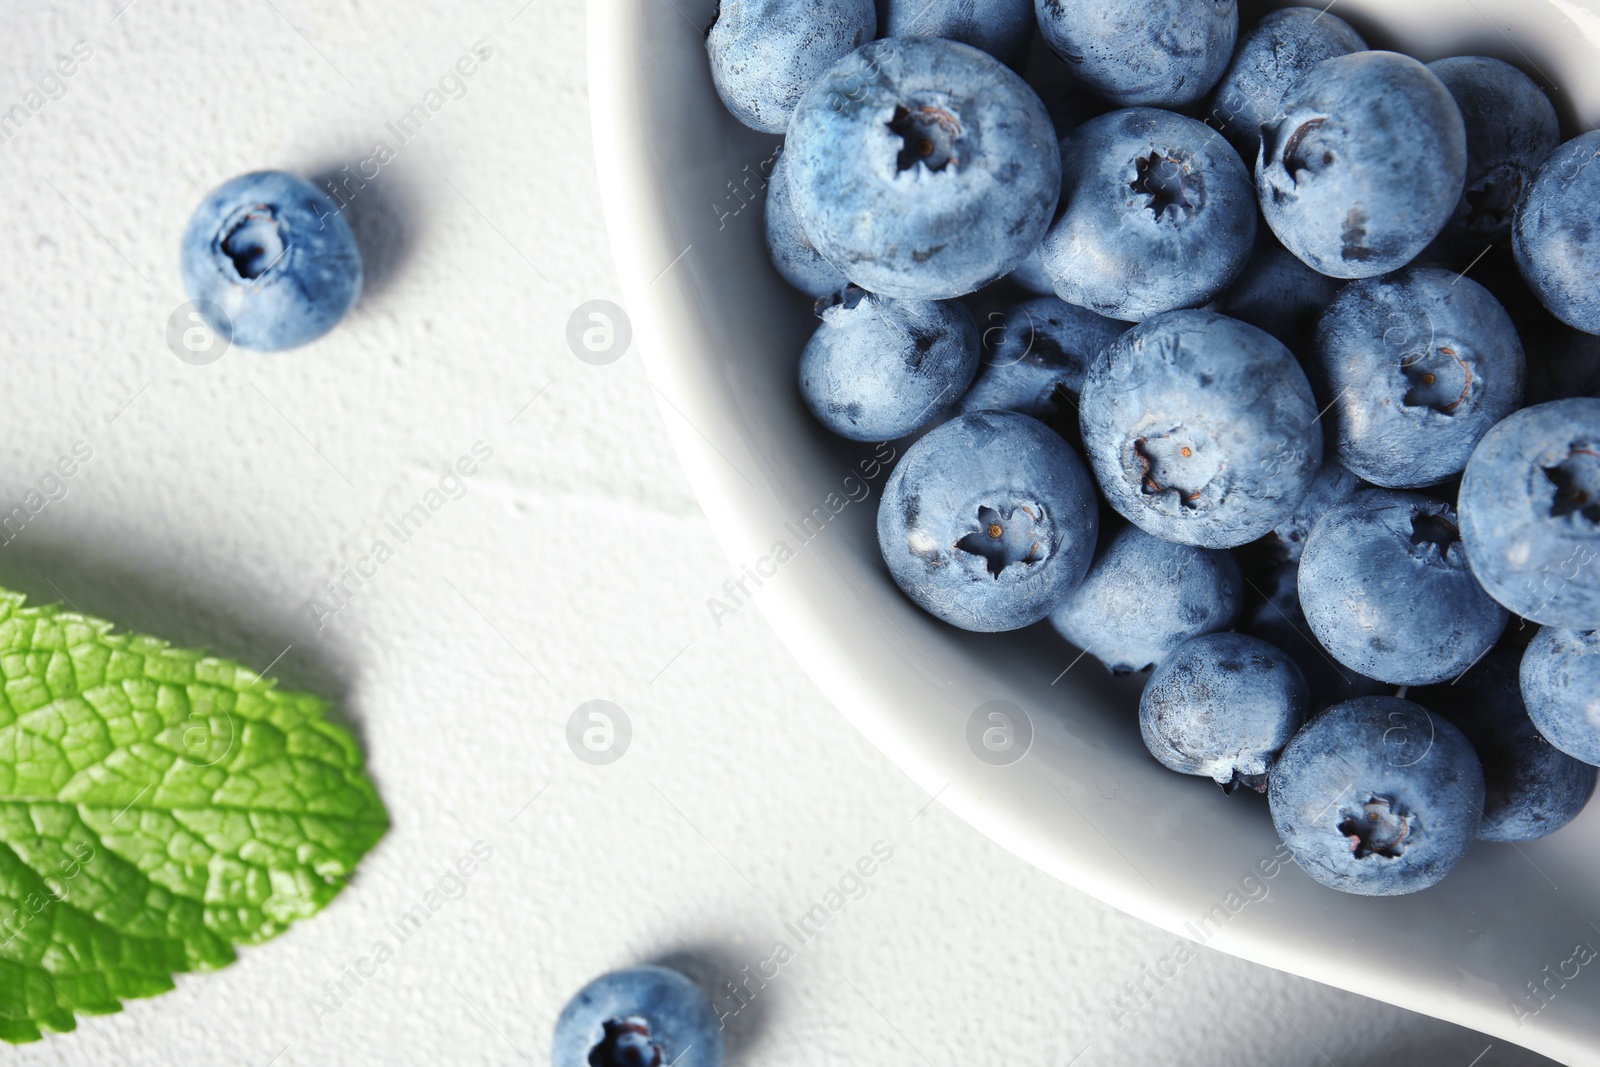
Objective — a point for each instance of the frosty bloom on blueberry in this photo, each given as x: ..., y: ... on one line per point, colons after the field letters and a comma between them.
x: 1414, y: 368
x: 923, y: 168
x: 988, y: 521
x: 1530, y: 513
x: 276, y: 256
x: 764, y: 53
x: 1166, y: 52
x: 1278, y: 619
x: 1223, y: 705
x: 796, y: 258
x: 1560, y: 678
x: 1036, y: 359
x: 1511, y: 129
x: 1201, y: 429
x: 878, y: 369
x: 1556, y: 238
x: 1157, y: 214
x: 1363, y: 164
x: 1275, y: 54
x: 999, y: 27
x: 1376, y: 796
x: 641, y: 1017
x: 1386, y: 588
x: 1143, y: 597
x: 1278, y: 293
x: 1532, y: 788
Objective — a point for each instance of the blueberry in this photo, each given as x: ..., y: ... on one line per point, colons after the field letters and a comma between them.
x: 1332, y: 485
x: 274, y: 253
x: 1275, y: 54
x: 1532, y: 788
x: 1386, y: 588
x: 988, y: 521
x: 1274, y: 615
x: 878, y: 369
x: 1560, y: 679
x: 1158, y: 214
x: 1163, y: 52
x: 999, y: 27
x: 1530, y: 513
x: 641, y: 1017
x: 1035, y: 359
x: 1511, y: 129
x: 1363, y: 164
x: 1223, y: 705
x: 1278, y: 293
x: 1031, y: 275
x: 923, y: 168
x: 1376, y: 796
x: 796, y: 258
x: 1555, y: 236
x: 1200, y: 429
x: 1143, y: 597
x: 1414, y: 368
x: 766, y: 53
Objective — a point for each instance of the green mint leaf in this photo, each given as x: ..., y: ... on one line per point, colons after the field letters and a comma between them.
x: 158, y: 806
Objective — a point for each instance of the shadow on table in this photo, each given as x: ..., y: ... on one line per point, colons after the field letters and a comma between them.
x: 743, y: 1013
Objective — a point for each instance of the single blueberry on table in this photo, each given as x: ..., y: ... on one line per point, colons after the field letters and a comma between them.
x: 1277, y: 52
x: 923, y: 168
x: 1036, y: 357
x: 1162, y: 52
x: 274, y: 253
x: 1363, y: 164
x: 1530, y: 513
x: 999, y: 27
x: 1414, y: 368
x: 1274, y: 615
x: 1200, y: 429
x: 1532, y: 788
x: 1560, y: 679
x: 766, y: 53
x: 878, y: 369
x: 1278, y: 293
x: 1377, y: 796
x: 1143, y: 597
x: 1386, y: 588
x: 1555, y: 236
x: 1511, y: 129
x: 988, y: 521
x: 796, y: 258
x: 1158, y: 213
x: 1223, y: 705
x: 640, y: 1017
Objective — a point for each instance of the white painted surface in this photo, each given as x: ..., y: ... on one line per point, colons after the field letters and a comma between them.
x: 221, y: 498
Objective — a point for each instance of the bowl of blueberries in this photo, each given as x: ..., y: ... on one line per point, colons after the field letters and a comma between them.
x: 1171, y: 432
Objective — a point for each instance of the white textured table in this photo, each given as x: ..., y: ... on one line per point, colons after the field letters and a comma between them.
x: 220, y: 501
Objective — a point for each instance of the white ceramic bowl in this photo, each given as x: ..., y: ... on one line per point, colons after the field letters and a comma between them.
x: 721, y: 334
